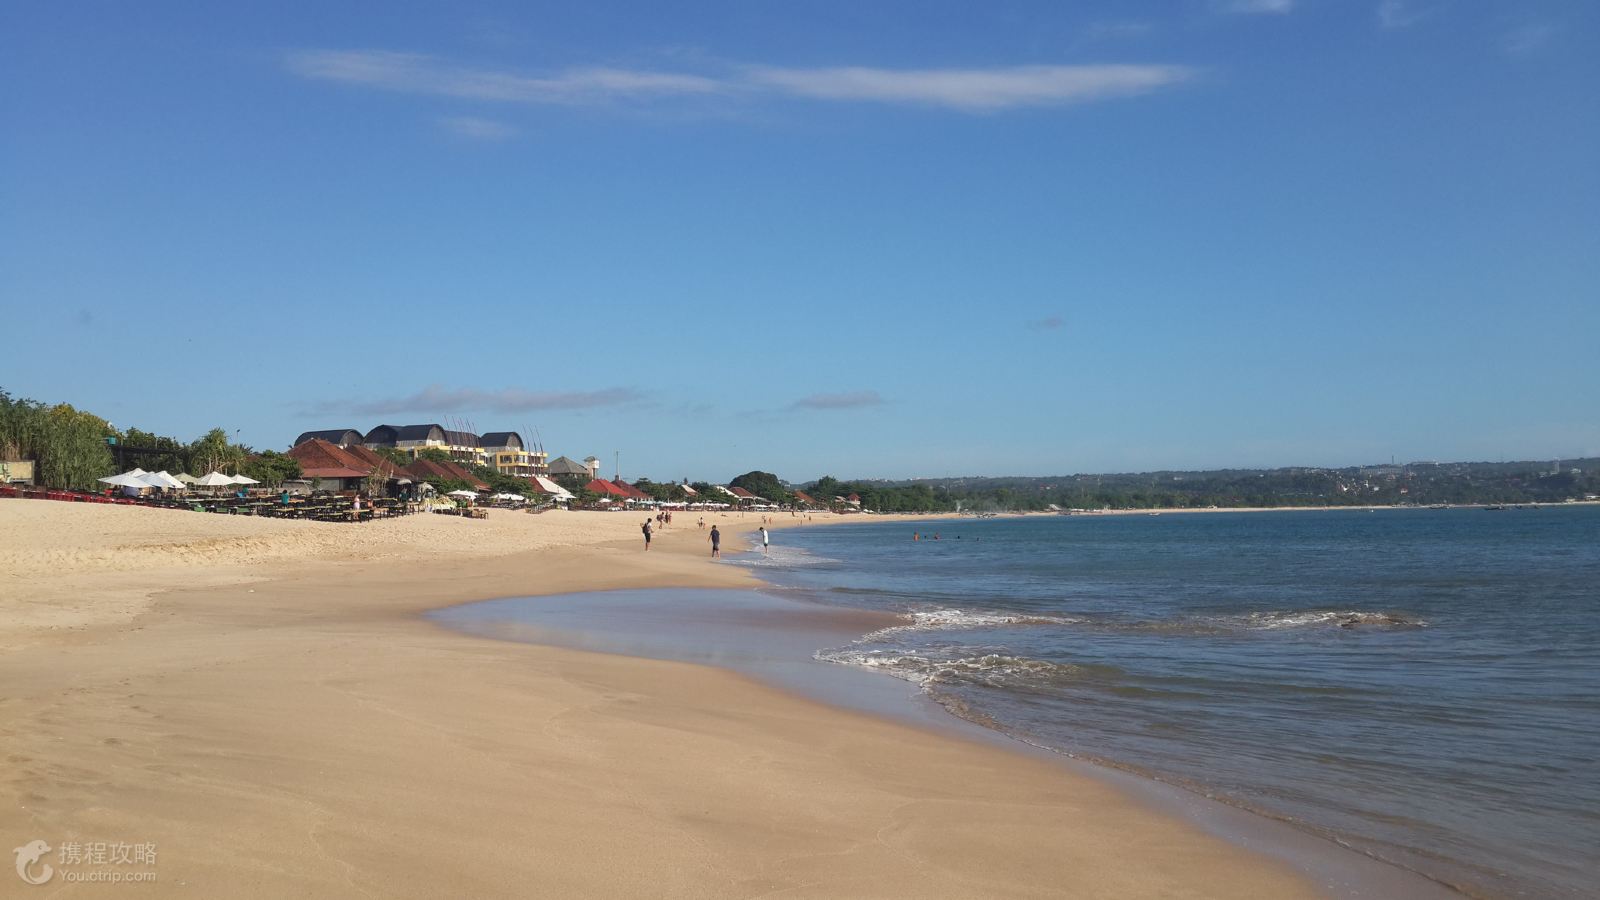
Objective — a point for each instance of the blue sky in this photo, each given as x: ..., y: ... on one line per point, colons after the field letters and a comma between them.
x: 883, y: 240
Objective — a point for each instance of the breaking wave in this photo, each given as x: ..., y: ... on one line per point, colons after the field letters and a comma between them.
x: 995, y: 669
x: 950, y: 619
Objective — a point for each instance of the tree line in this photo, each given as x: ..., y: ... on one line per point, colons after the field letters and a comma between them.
x: 72, y: 448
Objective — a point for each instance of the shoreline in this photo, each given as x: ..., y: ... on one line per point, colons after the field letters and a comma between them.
x: 292, y: 725
x: 762, y: 647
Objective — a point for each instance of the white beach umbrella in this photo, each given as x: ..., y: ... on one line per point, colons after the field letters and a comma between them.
x: 466, y: 494
x: 161, y: 480
x: 186, y: 478
x: 136, y: 471
x: 244, y: 479
x: 213, y: 479
x: 126, y: 479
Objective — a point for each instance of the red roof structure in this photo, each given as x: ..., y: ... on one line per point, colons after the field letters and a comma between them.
x: 605, y: 488
x: 631, y: 492
x: 806, y: 498
x: 743, y: 494
x: 374, y: 462
x: 429, y: 470
x: 321, y: 459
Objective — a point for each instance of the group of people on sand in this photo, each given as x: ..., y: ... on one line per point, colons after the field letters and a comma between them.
x: 716, y: 536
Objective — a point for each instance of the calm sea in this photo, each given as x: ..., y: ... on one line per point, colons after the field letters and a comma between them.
x: 1421, y: 685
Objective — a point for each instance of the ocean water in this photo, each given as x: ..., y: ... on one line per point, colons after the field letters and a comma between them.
x: 1420, y: 685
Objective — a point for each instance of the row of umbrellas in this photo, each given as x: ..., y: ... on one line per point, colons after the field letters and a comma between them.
x: 139, y: 478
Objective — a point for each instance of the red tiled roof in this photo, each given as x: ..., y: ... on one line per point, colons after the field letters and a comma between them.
x: 318, y: 456
x: 630, y: 491
x: 601, y: 486
x: 331, y: 472
x: 804, y: 497
x: 743, y: 494
x: 374, y: 462
x: 428, y: 470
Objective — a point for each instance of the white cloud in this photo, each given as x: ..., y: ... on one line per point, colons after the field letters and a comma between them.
x: 848, y: 400
x: 1255, y: 7
x: 477, y: 129
x: 438, y: 399
x: 968, y: 90
x: 418, y: 74
x: 973, y: 90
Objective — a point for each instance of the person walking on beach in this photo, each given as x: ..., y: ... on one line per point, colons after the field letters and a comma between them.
x: 647, y: 535
x: 766, y: 540
x: 716, y: 543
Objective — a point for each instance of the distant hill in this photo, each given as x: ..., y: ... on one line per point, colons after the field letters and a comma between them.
x: 1420, y: 483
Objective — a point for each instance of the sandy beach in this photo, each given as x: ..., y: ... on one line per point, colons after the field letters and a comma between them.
x: 262, y: 702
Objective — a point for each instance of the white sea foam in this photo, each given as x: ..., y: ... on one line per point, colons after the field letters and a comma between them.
x: 782, y: 557
x: 991, y: 668
x: 1340, y: 618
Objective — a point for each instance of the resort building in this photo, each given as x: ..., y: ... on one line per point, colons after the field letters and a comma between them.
x: 328, y: 466
x: 561, y: 465
x: 339, y: 437
x: 745, y: 497
x: 506, y: 452
x: 410, y: 438
x: 463, y: 446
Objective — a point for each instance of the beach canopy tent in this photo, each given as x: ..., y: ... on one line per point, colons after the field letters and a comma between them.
x: 244, y: 479
x: 551, y: 488
x: 163, y: 480
x: 213, y: 479
x: 464, y: 494
x: 127, y: 479
x: 507, y: 495
x: 186, y: 478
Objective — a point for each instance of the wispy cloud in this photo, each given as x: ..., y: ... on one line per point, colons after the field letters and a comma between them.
x: 968, y: 90
x: 847, y: 400
x: 437, y: 399
x: 1254, y: 7
x: 1527, y: 38
x: 973, y: 90
x: 476, y: 128
x: 1048, y: 323
x: 414, y: 73
x: 1401, y: 13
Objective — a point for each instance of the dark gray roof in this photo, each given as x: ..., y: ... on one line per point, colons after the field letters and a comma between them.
x: 388, y: 434
x: 343, y: 437
x: 563, y: 466
x: 501, y: 439
x: 461, y: 438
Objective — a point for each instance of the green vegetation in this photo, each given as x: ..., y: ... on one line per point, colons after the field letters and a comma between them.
x: 667, y: 492
x: 764, y: 485
x: 73, y: 448
x: 1422, y: 484
x: 271, y: 468
x: 68, y: 445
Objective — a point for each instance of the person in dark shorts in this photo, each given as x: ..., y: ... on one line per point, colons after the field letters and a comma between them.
x: 716, y: 543
x: 647, y: 534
